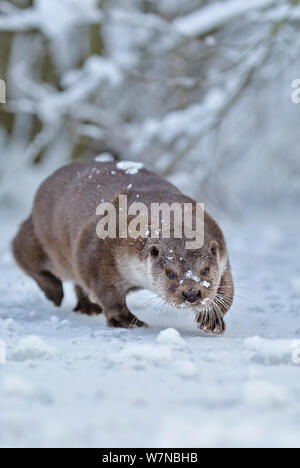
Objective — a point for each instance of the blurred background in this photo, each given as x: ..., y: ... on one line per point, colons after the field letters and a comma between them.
x: 200, y: 91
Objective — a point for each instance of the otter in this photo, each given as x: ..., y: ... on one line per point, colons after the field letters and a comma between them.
x: 58, y: 242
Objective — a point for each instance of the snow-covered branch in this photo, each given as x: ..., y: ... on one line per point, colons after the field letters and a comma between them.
x: 209, y: 19
x: 20, y: 21
x: 161, y: 82
x: 81, y: 84
x: 52, y: 18
x: 178, y: 132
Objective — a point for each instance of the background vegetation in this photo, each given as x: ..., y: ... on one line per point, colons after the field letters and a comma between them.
x: 197, y: 90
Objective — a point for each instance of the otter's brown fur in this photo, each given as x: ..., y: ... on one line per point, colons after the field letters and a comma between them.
x: 58, y: 242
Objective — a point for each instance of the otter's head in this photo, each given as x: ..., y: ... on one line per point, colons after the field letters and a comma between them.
x: 190, y: 279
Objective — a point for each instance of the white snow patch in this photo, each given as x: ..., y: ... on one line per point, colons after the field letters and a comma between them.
x: 143, y: 352
x: 264, y: 395
x: 270, y: 352
x: 190, y: 275
x: 206, y: 284
x: 210, y: 41
x: 104, y: 157
x: 58, y: 324
x: 33, y: 347
x: 167, y: 394
x: 170, y: 336
x: 8, y: 324
x: 54, y: 321
x: 130, y: 167
x: 186, y: 369
x: 296, y: 284
x: 14, y: 385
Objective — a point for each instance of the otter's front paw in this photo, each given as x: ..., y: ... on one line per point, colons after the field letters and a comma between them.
x: 123, y: 319
x: 207, y: 324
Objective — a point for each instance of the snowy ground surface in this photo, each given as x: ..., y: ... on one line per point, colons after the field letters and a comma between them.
x: 71, y: 381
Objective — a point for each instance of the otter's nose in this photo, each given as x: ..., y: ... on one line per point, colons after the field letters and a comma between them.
x: 191, y: 295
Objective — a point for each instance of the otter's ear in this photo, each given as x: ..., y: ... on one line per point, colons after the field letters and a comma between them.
x: 153, y: 251
x: 214, y: 248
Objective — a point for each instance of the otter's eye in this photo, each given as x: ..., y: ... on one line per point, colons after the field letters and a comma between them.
x: 205, y: 272
x: 154, y: 251
x: 171, y: 275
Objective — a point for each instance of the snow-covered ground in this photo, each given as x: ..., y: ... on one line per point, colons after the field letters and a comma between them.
x: 71, y: 381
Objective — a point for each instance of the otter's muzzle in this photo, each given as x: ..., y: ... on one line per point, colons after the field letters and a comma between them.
x: 191, y: 295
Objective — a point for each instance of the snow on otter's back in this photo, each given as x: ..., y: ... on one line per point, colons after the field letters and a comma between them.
x: 104, y: 157
x: 130, y: 167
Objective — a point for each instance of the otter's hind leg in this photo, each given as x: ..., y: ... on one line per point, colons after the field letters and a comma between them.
x: 51, y: 286
x: 84, y: 305
x: 32, y: 259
